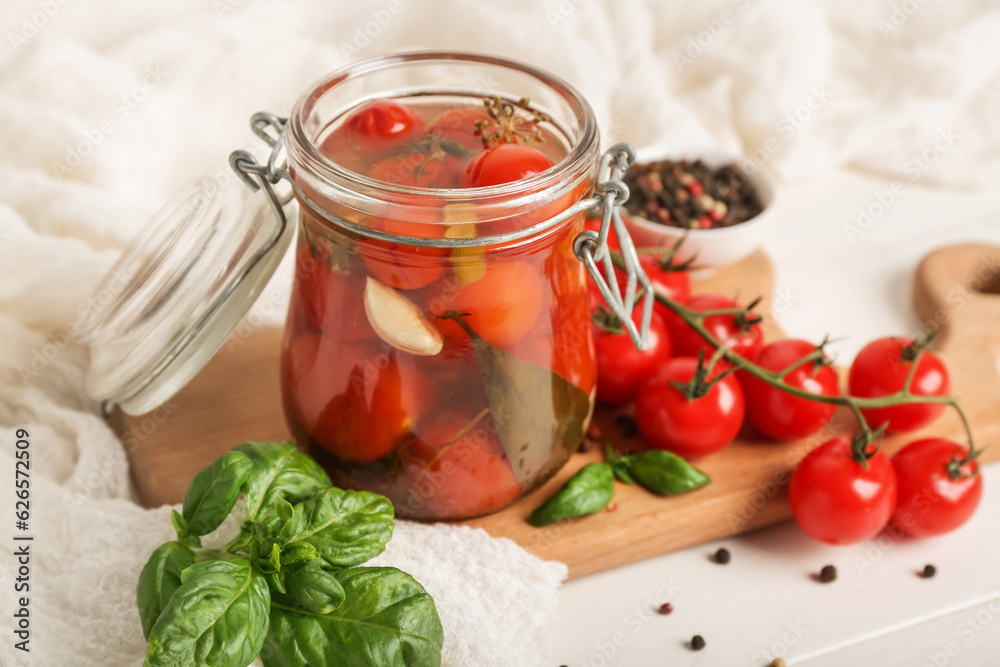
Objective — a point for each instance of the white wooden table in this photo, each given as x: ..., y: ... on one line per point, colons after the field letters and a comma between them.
x: 765, y: 604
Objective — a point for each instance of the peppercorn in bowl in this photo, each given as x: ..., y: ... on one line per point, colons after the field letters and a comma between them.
x: 721, y: 204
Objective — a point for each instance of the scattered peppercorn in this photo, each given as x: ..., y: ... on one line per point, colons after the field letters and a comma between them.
x: 827, y: 574
x: 722, y: 556
x: 929, y: 571
x: 690, y: 194
x: 627, y: 426
x: 697, y: 643
x: 778, y: 662
x: 665, y: 608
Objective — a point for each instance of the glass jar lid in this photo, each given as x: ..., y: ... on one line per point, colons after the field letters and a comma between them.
x: 182, y: 286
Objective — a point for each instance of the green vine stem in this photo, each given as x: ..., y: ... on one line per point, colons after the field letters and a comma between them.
x: 695, y: 319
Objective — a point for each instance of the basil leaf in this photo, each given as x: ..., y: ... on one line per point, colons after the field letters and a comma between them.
x: 159, y: 579
x: 273, y: 561
x: 386, y: 620
x: 666, y: 474
x: 218, y: 616
x: 276, y: 580
x: 298, y: 552
x: 214, y: 491
x: 536, y: 410
x: 588, y: 491
x: 279, y: 470
x: 619, y: 464
x: 347, y: 528
x: 314, y: 588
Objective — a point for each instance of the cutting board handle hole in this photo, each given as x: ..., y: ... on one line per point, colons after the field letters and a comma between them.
x: 988, y: 285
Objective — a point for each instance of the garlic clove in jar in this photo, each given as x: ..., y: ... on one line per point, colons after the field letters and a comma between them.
x: 399, y: 322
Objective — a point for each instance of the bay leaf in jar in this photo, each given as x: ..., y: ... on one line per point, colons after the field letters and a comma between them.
x: 536, y: 411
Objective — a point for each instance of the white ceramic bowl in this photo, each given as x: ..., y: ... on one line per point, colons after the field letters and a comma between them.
x: 711, y: 247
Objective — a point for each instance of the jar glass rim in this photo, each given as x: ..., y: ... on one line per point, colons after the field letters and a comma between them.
x: 304, y: 153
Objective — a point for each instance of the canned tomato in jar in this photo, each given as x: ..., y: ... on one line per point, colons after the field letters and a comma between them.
x: 447, y: 361
x: 438, y: 345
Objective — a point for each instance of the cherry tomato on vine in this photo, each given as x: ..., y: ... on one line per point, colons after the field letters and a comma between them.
x: 669, y: 420
x: 666, y: 279
x: 356, y: 400
x: 381, y: 124
x: 503, y: 163
x: 458, y: 468
x: 837, y: 500
x: 594, y: 225
x: 778, y: 414
x: 502, y: 306
x: 881, y: 368
x: 931, y: 500
x: 333, y: 302
x: 621, y: 368
x: 742, y: 335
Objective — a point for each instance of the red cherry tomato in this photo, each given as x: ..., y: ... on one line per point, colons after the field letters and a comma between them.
x: 381, y: 124
x: 356, y: 400
x: 778, y: 414
x: 459, y: 125
x: 881, y: 369
x: 668, y: 420
x: 401, y: 265
x: 458, y: 472
x: 594, y: 225
x: 744, y: 342
x: 503, y: 163
x: 418, y: 170
x: 502, y: 306
x: 567, y: 348
x: 837, y: 500
x: 334, y: 303
x: 621, y: 368
x: 931, y: 502
x: 669, y: 281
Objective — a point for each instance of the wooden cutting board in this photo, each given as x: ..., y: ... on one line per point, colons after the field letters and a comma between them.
x: 237, y: 398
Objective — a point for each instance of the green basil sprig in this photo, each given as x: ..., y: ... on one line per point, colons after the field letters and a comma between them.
x: 665, y: 473
x: 660, y: 472
x: 591, y: 489
x: 286, y: 588
x: 587, y: 492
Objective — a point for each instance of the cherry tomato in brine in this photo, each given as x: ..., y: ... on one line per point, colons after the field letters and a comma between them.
x: 401, y: 265
x: 504, y: 163
x: 380, y: 124
x: 459, y: 125
x: 332, y: 300
x: 502, y: 306
x: 457, y: 467
x: 356, y: 400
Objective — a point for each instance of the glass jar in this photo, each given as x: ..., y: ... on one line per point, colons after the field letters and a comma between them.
x: 438, y: 345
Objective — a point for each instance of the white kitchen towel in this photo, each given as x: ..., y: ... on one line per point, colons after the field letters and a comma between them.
x: 107, y: 106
